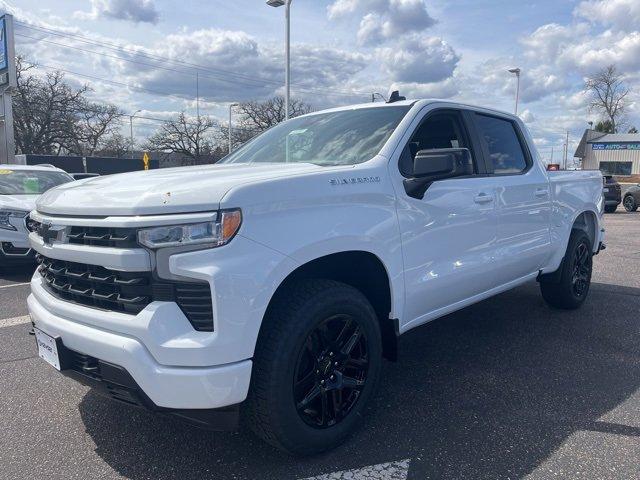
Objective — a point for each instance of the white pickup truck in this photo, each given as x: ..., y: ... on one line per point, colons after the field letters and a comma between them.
x: 272, y: 284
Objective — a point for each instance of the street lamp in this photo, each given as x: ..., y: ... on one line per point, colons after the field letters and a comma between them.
x: 287, y: 85
x: 231, y: 105
x: 131, y: 117
x: 517, y: 71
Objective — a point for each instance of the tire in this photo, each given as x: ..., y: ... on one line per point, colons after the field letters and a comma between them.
x: 296, y: 333
x: 575, y: 277
x: 630, y: 204
x: 611, y: 209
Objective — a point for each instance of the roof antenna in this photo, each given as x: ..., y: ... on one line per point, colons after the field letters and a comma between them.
x: 395, y: 97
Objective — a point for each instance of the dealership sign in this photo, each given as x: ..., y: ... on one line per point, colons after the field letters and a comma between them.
x: 4, y: 53
x: 7, y: 54
x: 615, y: 146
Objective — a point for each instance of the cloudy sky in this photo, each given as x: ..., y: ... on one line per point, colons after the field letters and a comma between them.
x: 144, y: 54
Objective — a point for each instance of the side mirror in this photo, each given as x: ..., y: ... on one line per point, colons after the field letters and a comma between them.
x: 443, y: 163
x: 438, y: 164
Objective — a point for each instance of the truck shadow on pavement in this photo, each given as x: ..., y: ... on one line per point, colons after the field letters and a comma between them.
x: 488, y: 392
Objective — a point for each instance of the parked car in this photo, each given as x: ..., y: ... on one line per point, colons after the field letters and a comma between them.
x: 631, y: 198
x: 272, y: 284
x: 612, y: 193
x: 20, y: 186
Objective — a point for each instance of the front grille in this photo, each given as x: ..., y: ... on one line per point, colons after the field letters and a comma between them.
x: 96, y: 236
x: 126, y: 292
x: 103, y: 237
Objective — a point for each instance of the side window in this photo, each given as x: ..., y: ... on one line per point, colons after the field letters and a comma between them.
x: 505, y: 149
x: 442, y: 130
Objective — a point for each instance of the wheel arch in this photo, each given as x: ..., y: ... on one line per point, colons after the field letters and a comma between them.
x: 587, y: 221
x: 360, y: 269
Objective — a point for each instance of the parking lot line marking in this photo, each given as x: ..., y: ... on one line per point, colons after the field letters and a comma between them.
x: 384, y: 471
x: 14, y: 285
x: 10, y: 322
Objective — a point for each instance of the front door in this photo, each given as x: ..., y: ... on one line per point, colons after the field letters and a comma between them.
x: 449, y: 234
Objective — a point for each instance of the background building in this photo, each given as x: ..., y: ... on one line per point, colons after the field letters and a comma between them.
x: 614, y: 154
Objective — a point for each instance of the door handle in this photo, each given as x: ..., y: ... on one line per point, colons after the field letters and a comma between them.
x: 542, y: 192
x: 483, y: 198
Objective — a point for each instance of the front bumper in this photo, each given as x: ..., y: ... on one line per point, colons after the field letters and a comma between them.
x: 113, y: 381
x: 166, y: 386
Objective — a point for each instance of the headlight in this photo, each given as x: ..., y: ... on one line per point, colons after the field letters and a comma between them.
x: 216, y: 233
x: 6, y: 215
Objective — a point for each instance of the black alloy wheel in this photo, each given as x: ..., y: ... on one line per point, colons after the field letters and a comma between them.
x: 331, y: 371
x: 316, y: 366
x: 582, y: 266
x: 568, y: 287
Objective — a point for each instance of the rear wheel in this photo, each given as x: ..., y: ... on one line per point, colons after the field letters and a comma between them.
x: 611, y: 209
x: 629, y: 203
x: 575, y: 277
x: 316, y: 365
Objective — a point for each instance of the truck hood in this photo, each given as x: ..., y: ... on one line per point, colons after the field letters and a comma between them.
x: 164, y: 191
x: 18, y: 202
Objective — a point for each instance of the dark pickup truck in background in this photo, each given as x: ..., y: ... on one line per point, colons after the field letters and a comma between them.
x: 612, y: 194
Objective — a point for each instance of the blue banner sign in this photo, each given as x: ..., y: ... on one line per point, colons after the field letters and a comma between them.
x: 615, y: 146
x: 4, y: 57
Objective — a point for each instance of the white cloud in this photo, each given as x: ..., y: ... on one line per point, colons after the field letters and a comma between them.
x: 598, y: 51
x: 237, y: 68
x: 621, y: 14
x: 418, y: 60
x: 444, y: 89
x: 527, y: 116
x: 138, y: 11
x: 340, y: 8
x: 384, y: 19
x: 549, y: 40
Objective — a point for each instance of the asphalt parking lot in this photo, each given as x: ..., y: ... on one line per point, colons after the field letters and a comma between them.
x: 507, y: 388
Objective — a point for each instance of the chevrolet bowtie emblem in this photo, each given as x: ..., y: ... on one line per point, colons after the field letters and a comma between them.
x: 49, y: 232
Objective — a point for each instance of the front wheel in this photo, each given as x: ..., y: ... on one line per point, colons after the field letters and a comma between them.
x: 630, y: 204
x: 575, y: 278
x: 316, y: 365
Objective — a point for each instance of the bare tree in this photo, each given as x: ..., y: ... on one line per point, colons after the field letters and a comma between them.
x: 608, y: 94
x: 115, y: 145
x: 90, y: 126
x: 253, y: 118
x: 259, y: 116
x: 43, y: 108
x: 51, y: 117
x: 191, y: 138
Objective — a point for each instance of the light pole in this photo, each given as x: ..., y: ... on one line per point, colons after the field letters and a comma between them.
x: 287, y: 76
x: 517, y: 71
x: 131, y: 117
x: 230, y: 111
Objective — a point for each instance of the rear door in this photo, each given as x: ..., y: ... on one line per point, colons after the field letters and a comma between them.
x: 523, y: 203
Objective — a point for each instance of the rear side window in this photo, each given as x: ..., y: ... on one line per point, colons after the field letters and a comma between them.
x: 505, y: 149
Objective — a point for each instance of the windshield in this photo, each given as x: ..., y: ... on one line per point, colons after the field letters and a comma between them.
x: 337, y: 138
x: 30, y: 182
